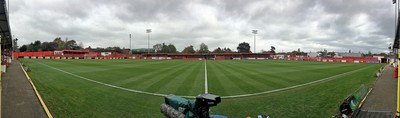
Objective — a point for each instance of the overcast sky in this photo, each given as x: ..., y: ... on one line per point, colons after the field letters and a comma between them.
x: 311, y: 25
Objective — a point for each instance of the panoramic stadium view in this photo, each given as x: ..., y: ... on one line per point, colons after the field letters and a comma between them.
x: 199, y: 59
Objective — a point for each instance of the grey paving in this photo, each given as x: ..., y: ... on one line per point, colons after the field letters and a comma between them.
x: 381, y: 102
x: 18, y: 100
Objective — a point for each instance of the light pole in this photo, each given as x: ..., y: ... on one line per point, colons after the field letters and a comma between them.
x: 148, y: 31
x: 130, y: 44
x: 15, y: 44
x: 14, y: 47
x: 254, y: 32
x: 391, y: 51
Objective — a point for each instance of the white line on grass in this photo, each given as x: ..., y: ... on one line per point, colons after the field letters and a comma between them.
x: 224, y: 97
x: 292, y: 87
x: 109, y: 85
x: 205, y: 77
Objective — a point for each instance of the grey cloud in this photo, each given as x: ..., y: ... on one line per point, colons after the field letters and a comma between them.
x: 308, y: 24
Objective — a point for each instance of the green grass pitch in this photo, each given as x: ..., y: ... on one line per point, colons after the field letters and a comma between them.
x: 67, y: 94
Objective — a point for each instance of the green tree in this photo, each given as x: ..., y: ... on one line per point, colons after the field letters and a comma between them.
x: 203, y: 48
x: 222, y: 50
x: 243, y: 47
x: 162, y: 48
x: 272, y: 50
x: 88, y: 48
x: 49, y: 46
x: 60, y: 43
x: 188, y: 49
x: 30, y: 48
x: 117, y: 49
x: 23, y: 48
x: 71, y: 45
x: 217, y: 50
x: 36, y: 46
x: 45, y: 46
x: 158, y: 47
x: 332, y: 54
x: 171, y: 48
x: 226, y: 50
x: 297, y: 53
x: 324, y: 53
x: 294, y: 53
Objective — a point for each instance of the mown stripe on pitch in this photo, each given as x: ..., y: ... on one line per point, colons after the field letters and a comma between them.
x: 277, y: 76
x: 72, y: 65
x: 301, y: 75
x: 198, y: 87
x: 238, y: 81
x: 177, y: 78
x: 249, y: 85
x: 136, y: 80
x: 111, y: 63
x: 108, y: 67
x: 289, y: 67
x: 162, y: 79
x: 187, y: 85
x: 305, y: 70
x: 218, y: 83
x: 281, y: 74
x: 326, y: 71
x: 299, y: 85
x: 272, y: 66
x: 156, y: 75
x: 143, y: 71
x: 245, y: 75
x: 159, y: 81
x: 265, y: 80
x: 109, y: 75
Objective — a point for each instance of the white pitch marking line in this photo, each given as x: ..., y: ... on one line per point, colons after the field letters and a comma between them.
x: 109, y: 85
x: 292, y: 87
x: 223, y: 97
x: 205, y: 77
